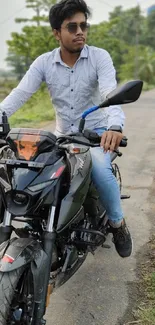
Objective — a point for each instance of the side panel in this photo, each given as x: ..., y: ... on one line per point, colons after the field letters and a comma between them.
x: 80, y: 182
x: 18, y: 252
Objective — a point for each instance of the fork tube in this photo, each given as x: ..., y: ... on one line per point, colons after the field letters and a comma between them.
x: 6, y: 228
x: 7, y: 219
x: 49, y: 237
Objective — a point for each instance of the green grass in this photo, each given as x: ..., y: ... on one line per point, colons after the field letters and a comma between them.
x: 35, y: 112
x: 145, y: 313
x: 38, y: 110
x: 147, y: 87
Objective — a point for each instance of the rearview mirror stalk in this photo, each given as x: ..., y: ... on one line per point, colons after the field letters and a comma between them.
x: 81, y: 125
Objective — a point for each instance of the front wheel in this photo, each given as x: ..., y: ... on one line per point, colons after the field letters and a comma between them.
x: 16, y: 297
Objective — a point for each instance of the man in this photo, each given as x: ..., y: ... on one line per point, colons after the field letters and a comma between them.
x: 79, y: 76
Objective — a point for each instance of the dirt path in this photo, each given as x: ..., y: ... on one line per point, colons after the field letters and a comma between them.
x: 101, y: 292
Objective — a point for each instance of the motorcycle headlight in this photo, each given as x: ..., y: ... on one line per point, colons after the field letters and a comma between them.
x: 41, y: 186
x: 20, y: 198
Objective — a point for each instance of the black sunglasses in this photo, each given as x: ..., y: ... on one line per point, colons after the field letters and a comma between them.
x: 73, y: 27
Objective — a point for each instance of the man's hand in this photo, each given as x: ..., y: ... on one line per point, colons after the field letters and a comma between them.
x: 110, y: 140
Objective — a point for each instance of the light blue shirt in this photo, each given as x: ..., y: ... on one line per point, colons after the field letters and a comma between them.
x: 72, y: 90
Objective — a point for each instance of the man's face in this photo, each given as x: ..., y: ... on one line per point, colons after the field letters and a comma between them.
x: 73, y: 33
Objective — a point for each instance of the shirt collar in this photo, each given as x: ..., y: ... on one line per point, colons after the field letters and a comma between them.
x: 57, y: 57
x: 84, y: 53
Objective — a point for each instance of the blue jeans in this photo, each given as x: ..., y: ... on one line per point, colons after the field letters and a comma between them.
x: 105, y: 182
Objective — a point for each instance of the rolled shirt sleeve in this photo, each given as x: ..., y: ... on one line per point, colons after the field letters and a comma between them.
x: 107, y: 82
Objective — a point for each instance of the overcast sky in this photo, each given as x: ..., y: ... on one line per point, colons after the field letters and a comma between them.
x: 11, y: 9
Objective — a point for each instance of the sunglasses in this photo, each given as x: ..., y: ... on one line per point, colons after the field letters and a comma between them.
x: 73, y: 27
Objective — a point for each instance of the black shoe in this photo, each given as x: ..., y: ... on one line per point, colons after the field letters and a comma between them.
x: 122, y: 240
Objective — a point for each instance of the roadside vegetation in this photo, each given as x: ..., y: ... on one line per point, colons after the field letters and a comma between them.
x: 128, y: 36
x: 144, y: 312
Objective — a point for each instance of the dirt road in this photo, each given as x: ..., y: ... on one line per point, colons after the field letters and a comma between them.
x: 102, y: 290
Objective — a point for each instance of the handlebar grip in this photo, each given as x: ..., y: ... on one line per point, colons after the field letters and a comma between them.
x: 92, y: 136
x: 123, y: 142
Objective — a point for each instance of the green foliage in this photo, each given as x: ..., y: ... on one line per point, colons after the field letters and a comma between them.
x: 144, y: 314
x: 144, y: 64
x: 4, y: 74
x: 100, y: 35
x: 40, y: 7
x: 117, y: 12
x: 147, y: 65
x: 32, y: 42
x: 128, y: 36
x: 6, y: 85
x: 150, y: 30
x: 127, y: 24
x: 37, y: 110
x: 17, y: 64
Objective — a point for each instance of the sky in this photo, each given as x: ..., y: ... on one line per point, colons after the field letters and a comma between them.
x: 11, y: 9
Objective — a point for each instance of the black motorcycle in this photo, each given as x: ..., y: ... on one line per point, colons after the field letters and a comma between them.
x: 46, y: 182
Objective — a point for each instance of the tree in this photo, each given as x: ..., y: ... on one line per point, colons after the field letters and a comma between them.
x: 117, y: 12
x: 127, y: 69
x: 146, y: 64
x: 16, y: 62
x: 32, y: 42
x: 100, y: 36
x: 150, y: 30
x: 40, y: 7
x: 123, y: 36
x: 127, y: 24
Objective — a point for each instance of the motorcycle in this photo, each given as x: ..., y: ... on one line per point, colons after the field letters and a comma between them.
x: 46, y: 182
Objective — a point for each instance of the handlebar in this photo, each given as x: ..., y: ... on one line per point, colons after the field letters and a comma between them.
x: 94, y: 137
x: 91, y: 139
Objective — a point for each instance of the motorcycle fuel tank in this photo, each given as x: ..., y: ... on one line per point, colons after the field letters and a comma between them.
x: 72, y: 202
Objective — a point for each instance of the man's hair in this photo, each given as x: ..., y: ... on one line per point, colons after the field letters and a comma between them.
x: 66, y: 9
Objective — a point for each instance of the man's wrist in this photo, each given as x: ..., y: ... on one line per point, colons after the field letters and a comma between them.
x: 116, y: 128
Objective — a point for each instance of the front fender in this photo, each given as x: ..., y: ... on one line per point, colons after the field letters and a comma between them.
x: 16, y: 252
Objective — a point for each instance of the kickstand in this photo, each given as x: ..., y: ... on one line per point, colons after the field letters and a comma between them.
x: 90, y: 250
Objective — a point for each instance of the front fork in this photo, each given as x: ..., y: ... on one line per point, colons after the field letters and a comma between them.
x: 41, y: 272
x: 42, y: 275
x: 6, y: 228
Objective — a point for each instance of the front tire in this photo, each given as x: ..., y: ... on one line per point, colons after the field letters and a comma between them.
x: 11, y: 312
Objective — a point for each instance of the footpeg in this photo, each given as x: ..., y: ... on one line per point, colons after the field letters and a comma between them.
x: 22, y: 232
x: 125, y: 197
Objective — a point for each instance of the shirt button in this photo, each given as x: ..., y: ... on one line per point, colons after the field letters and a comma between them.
x: 72, y: 71
x: 71, y: 89
x: 71, y: 107
x: 72, y: 124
